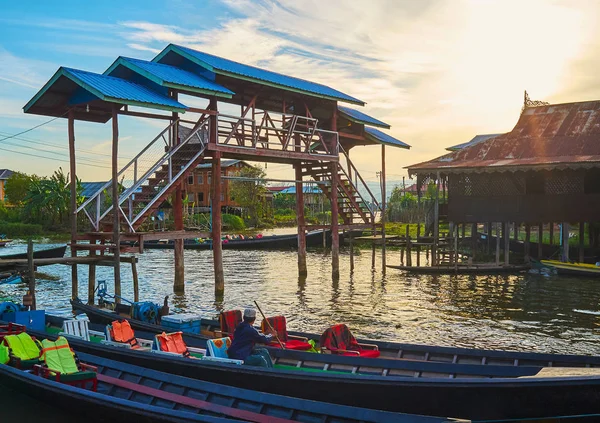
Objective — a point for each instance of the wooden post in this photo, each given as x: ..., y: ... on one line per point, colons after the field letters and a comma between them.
x: 474, y: 239
x: 31, y: 271
x: 497, y: 244
x: 462, y: 231
x: 134, y: 275
x: 178, y: 251
x: 456, y: 247
x: 581, y: 242
x: 92, y: 276
x: 335, y: 236
x: 436, y: 222
x: 216, y: 225
x: 540, y: 252
x: 73, y: 179
x: 351, y: 240
x: 418, y: 246
x: 408, y: 247
x: 516, y: 231
x: 489, y: 237
x: 551, y: 233
x: 527, y: 243
x: 115, y: 202
x: 506, y: 242
x: 302, y: 270
x: 565, y: 241
x: 383, y: 217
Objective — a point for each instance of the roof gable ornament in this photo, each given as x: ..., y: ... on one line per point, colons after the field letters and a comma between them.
x: 528, y: 102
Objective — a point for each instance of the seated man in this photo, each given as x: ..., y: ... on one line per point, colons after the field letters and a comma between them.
x: 244, y: 338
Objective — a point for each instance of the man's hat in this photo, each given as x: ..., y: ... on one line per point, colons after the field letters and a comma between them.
x: 250, y: 313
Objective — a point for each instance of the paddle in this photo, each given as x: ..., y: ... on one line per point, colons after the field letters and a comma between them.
x: 269, y: 325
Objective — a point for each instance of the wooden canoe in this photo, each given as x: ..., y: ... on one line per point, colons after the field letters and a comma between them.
x: 572, y: 269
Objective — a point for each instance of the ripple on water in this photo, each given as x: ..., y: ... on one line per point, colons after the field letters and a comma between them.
x: 514, y: 312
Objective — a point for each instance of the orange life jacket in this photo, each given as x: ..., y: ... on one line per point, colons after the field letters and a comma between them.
x: 173, y: 342
x: 122, y: 332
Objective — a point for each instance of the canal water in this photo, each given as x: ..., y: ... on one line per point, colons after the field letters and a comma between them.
x: 528, y: 312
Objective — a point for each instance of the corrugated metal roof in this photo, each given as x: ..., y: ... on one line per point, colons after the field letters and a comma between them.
x: 546, y: 137
x: 306, y: 189
x: 166, y: 75
x: 111, y: 88
x: 91, y: 188
x: 5, y: 173
x: 383, y: 138
x: 360, y: 117
x: 475, y: 140
x: 229, y: 67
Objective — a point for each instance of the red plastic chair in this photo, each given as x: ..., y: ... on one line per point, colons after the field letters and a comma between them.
x: 339, y: 340
x: 290, y: 342
x: 229, y: 320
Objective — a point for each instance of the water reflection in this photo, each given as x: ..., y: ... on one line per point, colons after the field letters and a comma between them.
x: 519, y: 312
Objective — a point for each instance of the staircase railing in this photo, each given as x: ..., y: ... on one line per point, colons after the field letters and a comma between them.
x: 146, y: 163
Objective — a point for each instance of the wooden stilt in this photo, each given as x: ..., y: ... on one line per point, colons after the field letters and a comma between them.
x: 216, y: 206
x: 31, y: 274
x: 565, y: 227
x: 115, y: 202
x: 418, y: 246
x: 474, y: 238
x: 489, y: 237
x: 383, y: 211
x: 436, y: 222
x: 92, y: 277
x: 581, y: 242
x: 506, y: 243
x: 73, y: 180
x: 351, y: 246
x: 527, y: 243
x: 462, y: 231
x: 178, y: 251
x: 540, y: 252
x: 408, y: 247
x: 516, y: 231
x: 497, y: 244
x: 302, y: 270
x: 551, y: 233
x: 136, y: 285
x: 335, y: 236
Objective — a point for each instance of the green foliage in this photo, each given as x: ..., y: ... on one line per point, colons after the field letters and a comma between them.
x: 9, y: 214
x: 284, y: 201
x: 285, y: 212
x: 18, y: 185
x: 13, y: 230
x: 233, y: 222
x: 250, y: 195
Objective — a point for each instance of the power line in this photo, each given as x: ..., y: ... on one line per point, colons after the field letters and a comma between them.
x: 82, y: 160
x: 49, y: 158
x: 35, y: 127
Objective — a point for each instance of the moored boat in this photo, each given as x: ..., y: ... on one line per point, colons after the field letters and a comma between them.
x: 573, y: 269
x: 11, y: 280
x: 127, y: 392
x: 462, y: 269
x: 54, y: 252
x: 471, y: 391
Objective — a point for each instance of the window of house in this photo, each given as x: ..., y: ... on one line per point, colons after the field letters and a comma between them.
x: 200, y: 179
x: 200, y: 197
x: 191, y: 197
x: 222, y: 196
x: 191, y: 179
x: 222, y: 180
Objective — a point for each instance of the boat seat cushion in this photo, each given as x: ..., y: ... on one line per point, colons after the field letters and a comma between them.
x: 218, y: 347
x: 229, y: 320
x: 339, y: 338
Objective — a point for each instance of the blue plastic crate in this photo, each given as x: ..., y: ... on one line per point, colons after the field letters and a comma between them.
x: 185, y: 322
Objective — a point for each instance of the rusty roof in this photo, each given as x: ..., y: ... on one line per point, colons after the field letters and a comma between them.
x: 555, y: 136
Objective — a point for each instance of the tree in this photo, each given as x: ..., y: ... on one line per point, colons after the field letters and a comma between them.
x: 250, y: 194
x: 17, y: 187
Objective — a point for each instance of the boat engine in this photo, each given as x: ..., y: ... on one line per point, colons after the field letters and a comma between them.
x: 9, y: 307
x: 145, y: 311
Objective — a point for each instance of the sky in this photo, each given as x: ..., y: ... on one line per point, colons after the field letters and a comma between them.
x: 439, y: 72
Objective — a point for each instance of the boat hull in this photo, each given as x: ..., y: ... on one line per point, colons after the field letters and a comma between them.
x: 56, y: 252
x: 461, y: 270
x: 573, y: 269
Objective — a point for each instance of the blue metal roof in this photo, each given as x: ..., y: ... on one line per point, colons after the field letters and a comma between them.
x: 383, y: 138
x: 91, y: 188
x: 360, y: 117
x: 107, y: 88
x: 170, y: 76
x: 224, y: 163
x: 234, y: 69
x: 306, y: 189
x: 476, y: 140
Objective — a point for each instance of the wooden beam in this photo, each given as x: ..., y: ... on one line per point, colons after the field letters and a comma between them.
x: 302, y: 269
x: 265, y: 153
x: 144, y: 115
x: 115, y: 201
x: 73, y: 214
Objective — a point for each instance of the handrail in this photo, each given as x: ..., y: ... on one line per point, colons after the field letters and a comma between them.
x: 106, y: 185
x: 359, y: 176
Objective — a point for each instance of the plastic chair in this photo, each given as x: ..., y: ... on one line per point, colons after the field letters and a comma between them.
x: 339, y: 340
x: 229, y: 320
x: 79, y: 329
x: 290, y: 342
x: 217, y: 351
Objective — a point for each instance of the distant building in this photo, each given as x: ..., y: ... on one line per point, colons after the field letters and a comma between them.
x: 197, y: 185
x: 4, y: 175
x: 91, y: 188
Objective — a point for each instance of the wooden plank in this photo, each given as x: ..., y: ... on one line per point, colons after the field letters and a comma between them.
x: 264, y: 153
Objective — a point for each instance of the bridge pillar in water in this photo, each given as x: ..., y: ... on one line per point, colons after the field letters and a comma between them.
x: 335, y: 235
x: 302, y: 270
x: 178, y: 253
x: 216, y: 206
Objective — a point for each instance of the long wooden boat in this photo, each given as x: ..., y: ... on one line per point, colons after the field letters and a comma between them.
x: 389, y: 350
x: 131, y: 392
x: 55, y: 252
x: 572, y: 269
x: 268, y: 242
x: 471, y: 391
x: 4, y: 242
x: 462, y: 269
